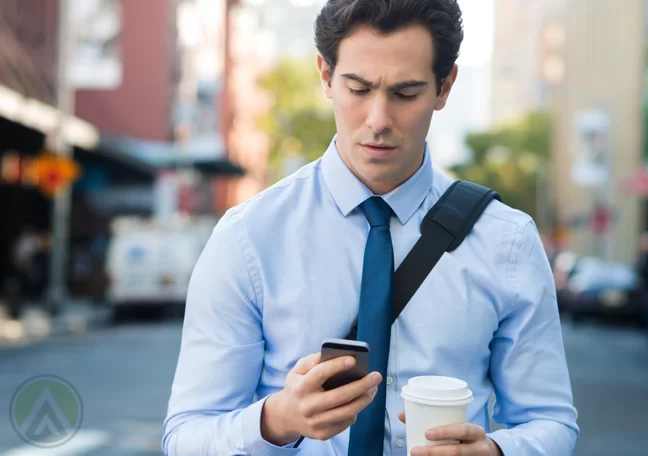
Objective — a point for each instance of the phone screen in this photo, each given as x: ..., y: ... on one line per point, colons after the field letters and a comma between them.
x: 334, y: 349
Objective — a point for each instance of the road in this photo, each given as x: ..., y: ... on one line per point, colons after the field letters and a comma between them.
x: 123, y: 375
x: 609, y: 373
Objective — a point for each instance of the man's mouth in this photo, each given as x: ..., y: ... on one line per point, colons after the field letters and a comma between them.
x: 375, y: 150
x: 379, y: 146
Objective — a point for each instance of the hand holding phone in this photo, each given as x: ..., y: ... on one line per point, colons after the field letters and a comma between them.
x: 306, y: 408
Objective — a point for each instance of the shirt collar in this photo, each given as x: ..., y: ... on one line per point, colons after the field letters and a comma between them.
x: 349, y: 192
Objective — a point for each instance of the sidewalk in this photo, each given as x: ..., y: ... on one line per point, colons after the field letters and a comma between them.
x: 35, y: 324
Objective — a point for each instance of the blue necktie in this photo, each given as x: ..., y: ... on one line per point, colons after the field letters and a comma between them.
x: 374, y: 324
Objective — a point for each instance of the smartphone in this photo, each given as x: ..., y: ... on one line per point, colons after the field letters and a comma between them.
x: 334, y: 348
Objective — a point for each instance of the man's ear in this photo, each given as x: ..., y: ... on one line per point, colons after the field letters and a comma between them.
x: 325, y: 75
x: 446, y: 87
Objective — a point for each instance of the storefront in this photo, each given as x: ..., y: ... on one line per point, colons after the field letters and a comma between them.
x: 22, y: 207
x: 26, y: 208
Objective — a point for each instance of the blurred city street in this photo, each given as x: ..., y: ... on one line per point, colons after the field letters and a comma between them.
x: 124, y: 373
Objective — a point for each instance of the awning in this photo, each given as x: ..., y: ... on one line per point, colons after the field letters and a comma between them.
x: 45, y: 119
x: 121, y: 166
x: 206, y: 155
x: 206, y: 166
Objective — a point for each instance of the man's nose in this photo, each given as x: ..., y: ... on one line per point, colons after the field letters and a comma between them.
x: 379, y: 118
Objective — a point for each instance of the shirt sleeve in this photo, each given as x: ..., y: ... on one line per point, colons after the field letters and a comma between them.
x: 528, y: 366
x: 211, y: 410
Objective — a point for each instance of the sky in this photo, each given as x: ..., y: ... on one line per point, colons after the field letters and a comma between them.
x: 477, y: 47
x: 477, y: 14
x: 469, y: 104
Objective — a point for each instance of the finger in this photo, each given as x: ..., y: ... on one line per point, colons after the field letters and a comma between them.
x: 464, y: 432
x: 349, y: 392
x: 460, y: 449
x: 425, y: 451
x: 305, y: 364
x: 323, y: 371
x: 347, y: 411
x: 401, y: 416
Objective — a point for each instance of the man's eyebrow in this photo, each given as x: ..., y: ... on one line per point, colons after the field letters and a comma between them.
x: 356, y: 78
x: 396, y: 87
x: 407, y: 85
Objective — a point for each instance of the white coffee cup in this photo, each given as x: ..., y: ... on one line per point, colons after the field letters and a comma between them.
x: 432, y: 401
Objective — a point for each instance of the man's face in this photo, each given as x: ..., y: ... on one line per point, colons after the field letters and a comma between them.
x: 384, y: 93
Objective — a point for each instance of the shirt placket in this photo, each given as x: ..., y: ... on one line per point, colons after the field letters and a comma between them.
x: 396, y: 434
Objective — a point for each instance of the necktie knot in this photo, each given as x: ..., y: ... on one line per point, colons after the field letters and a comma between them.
x: 377, y: 211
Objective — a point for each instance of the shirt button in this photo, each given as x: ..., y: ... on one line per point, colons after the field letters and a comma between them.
x: 390, y: 380
x: 400, y: 443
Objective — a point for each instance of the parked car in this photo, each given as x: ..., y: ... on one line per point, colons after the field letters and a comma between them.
x: 607, y: 290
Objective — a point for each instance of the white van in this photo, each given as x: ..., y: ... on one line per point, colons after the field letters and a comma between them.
x: 150, y: 262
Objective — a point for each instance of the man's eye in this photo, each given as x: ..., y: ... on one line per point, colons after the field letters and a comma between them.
x: 358, y: 92
x: 403, y: 96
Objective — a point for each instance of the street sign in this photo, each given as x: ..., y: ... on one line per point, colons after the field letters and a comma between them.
x: 591, y: 164
x: 601, y: 220
x: 54, y: 173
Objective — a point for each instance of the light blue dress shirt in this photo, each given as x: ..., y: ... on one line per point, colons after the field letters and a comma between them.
x: 282, y: 272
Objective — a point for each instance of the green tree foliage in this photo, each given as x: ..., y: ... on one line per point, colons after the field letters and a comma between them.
x: 301, y: 120
x: 508, y: 159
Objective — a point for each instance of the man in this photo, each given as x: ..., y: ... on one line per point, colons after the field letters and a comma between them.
x: 286, y: 270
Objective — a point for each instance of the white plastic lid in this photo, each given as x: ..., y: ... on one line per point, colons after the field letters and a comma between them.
x: 437, y: 390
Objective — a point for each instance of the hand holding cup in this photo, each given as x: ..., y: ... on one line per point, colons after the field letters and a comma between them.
x: 436, y: 408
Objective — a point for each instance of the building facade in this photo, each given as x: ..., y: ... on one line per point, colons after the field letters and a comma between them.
x: 522, y: 71
x: 141, y: 104
x: 598, y: 128
x: 171, y: 103
x: 28, y: 31
x: 582, y: 61
x: 250, y: 52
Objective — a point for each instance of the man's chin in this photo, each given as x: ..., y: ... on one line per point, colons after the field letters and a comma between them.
x: 379, y: 179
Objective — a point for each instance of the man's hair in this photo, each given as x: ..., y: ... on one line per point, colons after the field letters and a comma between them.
x: 441, y: 17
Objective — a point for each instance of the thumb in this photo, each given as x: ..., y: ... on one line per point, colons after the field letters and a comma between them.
x: 401, y: 416
x: 305, y: 364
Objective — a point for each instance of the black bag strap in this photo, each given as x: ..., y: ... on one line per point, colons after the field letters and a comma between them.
x: 443, y: 229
